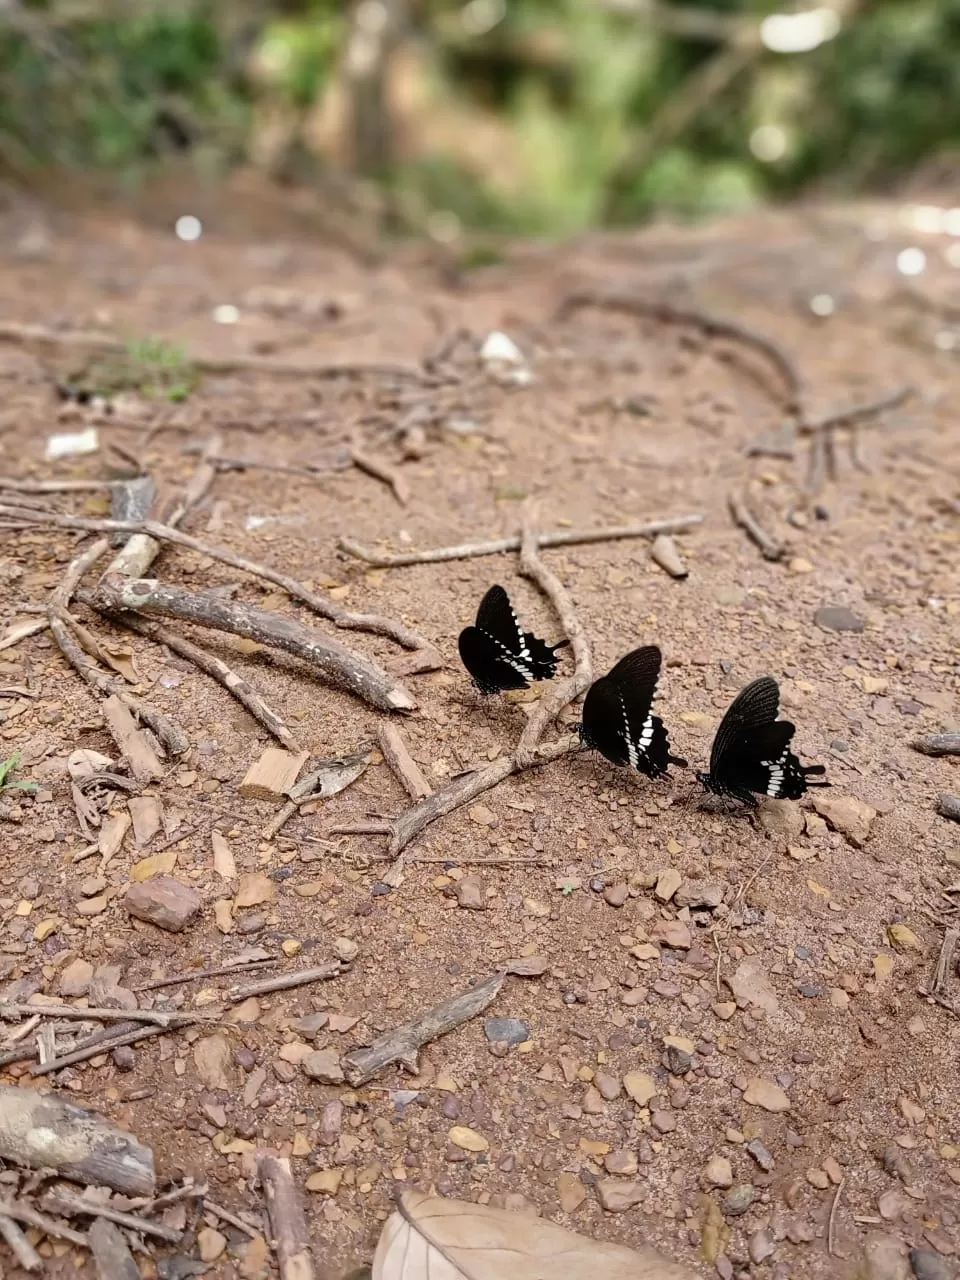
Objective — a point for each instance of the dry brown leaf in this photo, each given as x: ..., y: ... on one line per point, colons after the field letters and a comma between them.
x: 122, y: 660
x: 451, y: 1240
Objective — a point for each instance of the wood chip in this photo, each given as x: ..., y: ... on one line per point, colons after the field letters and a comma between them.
x: 272, y: 776
x: 398, y: 757
x: 143, y: 760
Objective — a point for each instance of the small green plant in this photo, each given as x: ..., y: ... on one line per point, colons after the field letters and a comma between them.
x: 152, y: 367
x: 7, y: 768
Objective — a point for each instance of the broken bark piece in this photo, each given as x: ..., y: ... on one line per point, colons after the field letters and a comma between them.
x: 43, y: 1131
x: 938, y: 744
x: 403, y: 1045
x: 112, y: 1258
x: 328, y: 779
x: 284, y: 981
x: 143, y: 760
x: 163, y: 901
x: 663, y: 552
x: 273, y: 775
x: 405, y: 768
x: 288, y: 1224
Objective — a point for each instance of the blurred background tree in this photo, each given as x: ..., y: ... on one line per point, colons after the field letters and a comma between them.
x: 533, y: 116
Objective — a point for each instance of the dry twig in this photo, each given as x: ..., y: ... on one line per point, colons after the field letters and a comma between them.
x: 424, y: 658
x: 222, y: 970
x: 941, y: 973
x: 340, y: 666
x: 831, y: 1221
x: 560, y: 538
x: 95, y: 1046
x: 62, y: 1201
x: 24, y: 1251
x: 51, y: 1227
x: 285, y: 981
x: 770, y: 548
x: 288, y: 1225
x: 398, y: 757
x: 388, y: 475
x: 403, y: 1045
x: 70, y: 1011
x: 328, y: 779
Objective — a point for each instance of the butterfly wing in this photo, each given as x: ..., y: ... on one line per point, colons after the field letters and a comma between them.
x: 489, y: 664
x: 496, y: 616
x: 619, y: 722
x: 543, y: 657
x: 754, y: 706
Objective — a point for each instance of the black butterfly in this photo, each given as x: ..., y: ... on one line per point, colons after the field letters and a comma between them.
x: 617, y: 720
x: 751, y: 752
x: 498, y: 654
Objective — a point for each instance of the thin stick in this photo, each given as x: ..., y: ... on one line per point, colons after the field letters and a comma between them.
x: 90, y: 1050
x: 232, y: 1218
x: 362, y: 829
x: 25, y: 1253
x: 61, y: 1201
x: 531, y: 566
x: 59, y: 486
x: 39, y: 335
x: 938, y: 744
x: 32, y: 1218
x: 387, y: 475
x: 340, y: 666
x: 285, y: 981
x: 833, y: 1215
x: 856, y: 414
x: 21, y: 630
x: 770, y: 549
x: 941, y: 973
x: 324, y: 608
x: 403, y: 1044
x: 463, y: 790
x: 71, y: 1011
x: 222, y: 970
x: 404, y: 767
x: 174, y: 839
x: 468, y: 860
x: 711, y: 326
x: 207, y: 662
x: 560, y: 538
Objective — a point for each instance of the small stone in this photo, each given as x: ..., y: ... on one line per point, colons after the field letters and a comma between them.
x: 903, y: 939
x: 468, y: 1139
x: 622, y: 1163
x: 817, y: 1178
x: 750, y: 984
x: 571, y: 1192
x: 296, y: 1052
x: 506, y: 1030
x: 640, y: 1086
x: 210, y: 1244
x: 663, y: 1121
x: 890, y: 1204
x: 718, y: 1172
x: 766, y: 1094
x: 124, y: 1057
x: 833, y: 1171
x: 761, y: 1244
x: 93, y: 906
x: 311, y: 1024
x: 669, y: 881
x: 470, y: 894
x: 593, y: 1104
x: 75, y: 978
x: 781, y: 818
x: 326, y: 1181
x: 323, y: 1065
x: 928, y: 1265
x: 853, y: 818
x: 608, y: 1086
x: 214, y: 1062
x: 884, y: 1258
x: 672, y: 933
x: 724, y: 1009
x: 481, y: 815
x: 704, y: 895
x: 528, y: 966
x: 345, y: 949
x: 760, y: 1153
x: 254, y: 888
x: 615, y: 895
x: 164, y: 902
x: 616, y: 1196
x: 837, y: 617
x: 739, y: 1199
x: 798, y: 565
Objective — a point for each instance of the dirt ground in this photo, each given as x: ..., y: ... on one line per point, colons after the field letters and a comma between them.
x: 789, y: 973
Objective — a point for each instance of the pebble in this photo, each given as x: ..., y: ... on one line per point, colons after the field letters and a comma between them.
x: 663, y: 1121
x: 470, y: 893
x: 210, y: 1244
x: 739, y: 1199
x: 622, y: 1163
x: 853, y: 818
x: 571, y: 1192
x: 608, y: 1086
x: 214, y: 1062
x: 615, y: 895
x: 928, y: 1265
x: 817, y: 1178
x: 324, y: 1066
x: 468, y: 1139
x: 672, y: 933
x: 883, y: 1258
x: 718, y: 1172
x: 781, y: 818
x: 703, y: 894
x: 506, y: 1030
x: 837, y: 617
x: 766, y: 1094
x: 616, y: 1196
x: 163, y: 901
x: 762, y: 1156
x: 75, y: 978
x: 761, y: 1244
x: 124, y: 1058
x: 255, y: 889
x: 345, y: 949
x: 640, y: 1086
x: 750, y: 984
x: 669, y: 881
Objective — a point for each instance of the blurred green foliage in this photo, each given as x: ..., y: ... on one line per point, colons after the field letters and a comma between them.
x: 572, y: 85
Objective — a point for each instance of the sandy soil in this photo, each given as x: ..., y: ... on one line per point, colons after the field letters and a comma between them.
x: 622, y: 419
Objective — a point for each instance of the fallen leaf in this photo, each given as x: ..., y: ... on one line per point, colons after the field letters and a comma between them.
x: 453, y: 1240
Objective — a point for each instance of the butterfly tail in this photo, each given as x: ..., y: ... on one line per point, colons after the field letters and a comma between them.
x: 814, y: 770
x: 542, y: 656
